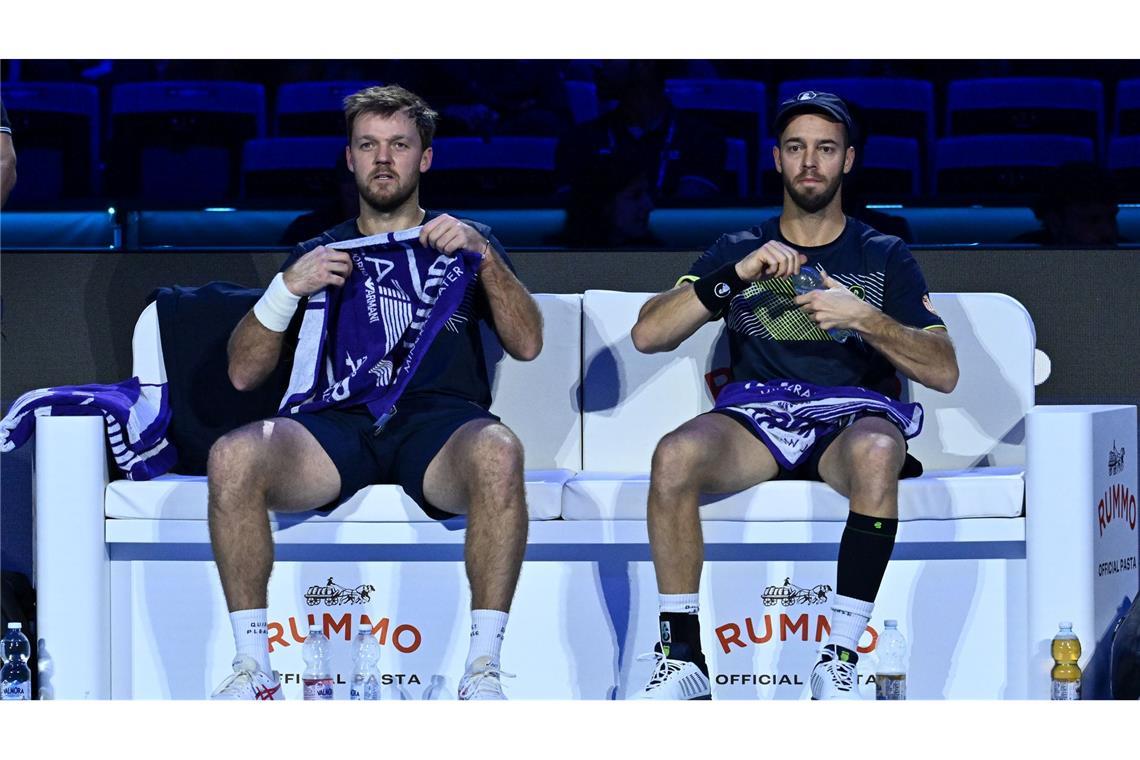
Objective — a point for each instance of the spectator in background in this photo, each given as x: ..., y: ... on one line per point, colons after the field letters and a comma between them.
x: 608, y: 206
x: 7, y: 157
x: 1077, y: 207
x: 683, y: 158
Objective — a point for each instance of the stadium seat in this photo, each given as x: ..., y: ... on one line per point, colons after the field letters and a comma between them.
x: 738, y: 107
x: 180, y: 142
x: 1002, y: 167
x: 477, y: 172
x: 1026, y: 106
x: 583, y: 100
x: 1127, y: 118
x: 292, y: 167
x: 56, y: 132
x: 313, y: 109
x: 1124, y: 162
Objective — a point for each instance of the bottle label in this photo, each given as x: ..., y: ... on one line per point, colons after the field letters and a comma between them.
x: 890, y: 686
x: 318, y: 688
x: 21, y: 690
x: 1067, y: 690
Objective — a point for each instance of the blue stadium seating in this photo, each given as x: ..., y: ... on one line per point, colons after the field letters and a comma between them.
x: 583, y: 100
x: 47, y: 118
x: 473, y: 170
x: 180, y: 142
x: 1002, y: 167
x: 292, y: 167
x: 739, y: 107
x: 1124, y: 162
x: 1127, y: 113
x: 1026, y: 105
x: 313, y: 109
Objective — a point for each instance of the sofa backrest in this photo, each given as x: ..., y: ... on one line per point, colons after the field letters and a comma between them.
x: 630, y: 399
x: 537, y: 399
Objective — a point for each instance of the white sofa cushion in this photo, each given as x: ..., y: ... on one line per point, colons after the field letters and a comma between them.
x: 985, y: 492
x: 183, y: 497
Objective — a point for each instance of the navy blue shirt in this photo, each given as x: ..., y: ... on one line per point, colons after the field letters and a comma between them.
x: 454, y: 364
x: 772, y: 338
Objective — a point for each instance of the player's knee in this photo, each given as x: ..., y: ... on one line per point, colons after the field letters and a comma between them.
x: 498, y: 453
x: 675, y: 460
x: 877, y: 459
x: 232, y: 459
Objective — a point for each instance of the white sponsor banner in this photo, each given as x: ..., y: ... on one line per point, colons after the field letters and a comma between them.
x: 575, y: 627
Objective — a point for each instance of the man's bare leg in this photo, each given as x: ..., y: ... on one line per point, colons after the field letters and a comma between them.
x: 275, y: 464
x: 863, y: 464
x: 708, y: 454
x: 479, y: 472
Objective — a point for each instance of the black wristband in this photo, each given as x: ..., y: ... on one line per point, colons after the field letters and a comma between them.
x: 717, y: 288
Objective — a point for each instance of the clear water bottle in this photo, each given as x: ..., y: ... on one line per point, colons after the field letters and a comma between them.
x: 317, y: 679
x: 810, y: 279
x: 365, y: 674
x: 437, y: 689
x: 1066, y: 673
x: 890, y: 676
x: 16, y: 676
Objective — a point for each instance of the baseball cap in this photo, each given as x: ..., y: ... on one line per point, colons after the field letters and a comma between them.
x: 810, y: 101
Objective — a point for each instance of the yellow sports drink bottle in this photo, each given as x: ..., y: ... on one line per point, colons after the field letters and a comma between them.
x: 1066, y: 673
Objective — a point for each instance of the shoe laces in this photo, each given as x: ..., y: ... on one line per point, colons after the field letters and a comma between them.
x: 241, y: 682
x: 663, y: 670
x: 842, y: 673
x: 486, y: 680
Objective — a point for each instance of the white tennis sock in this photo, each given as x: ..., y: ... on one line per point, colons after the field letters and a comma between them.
x: 487, y: 630
x: 689, y: 603
x: 251, y: 635
x: 849, y: 618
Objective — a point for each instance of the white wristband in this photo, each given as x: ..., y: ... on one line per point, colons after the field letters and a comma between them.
x: 276, y: 307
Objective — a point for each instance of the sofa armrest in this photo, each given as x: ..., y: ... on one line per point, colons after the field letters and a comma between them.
x: 71, y: 564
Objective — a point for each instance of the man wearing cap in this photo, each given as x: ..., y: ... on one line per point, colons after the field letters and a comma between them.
x: 814, y: 393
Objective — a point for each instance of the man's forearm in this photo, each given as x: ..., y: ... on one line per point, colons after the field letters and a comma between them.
x: 925, y: 356
x: 667, y: 319
x: 253, y: 352
x: 516, y: 317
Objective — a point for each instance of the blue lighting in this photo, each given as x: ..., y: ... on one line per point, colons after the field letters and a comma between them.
x: 220, y: 208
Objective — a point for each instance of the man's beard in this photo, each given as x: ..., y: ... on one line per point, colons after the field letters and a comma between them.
x: 385, y: 204
x: 812, y: 203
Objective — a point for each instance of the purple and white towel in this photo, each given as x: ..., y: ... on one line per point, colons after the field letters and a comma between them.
x: 360, y: 343
x: 137, y: 417
x: 789, y: 416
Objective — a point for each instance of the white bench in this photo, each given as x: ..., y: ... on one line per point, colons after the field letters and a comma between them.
x: 977, y: 583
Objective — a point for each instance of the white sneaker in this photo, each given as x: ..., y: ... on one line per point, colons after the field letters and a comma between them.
x: 249, y: 681
x: 834, y: 676
x: 674, y: 679
x: 481, y: 681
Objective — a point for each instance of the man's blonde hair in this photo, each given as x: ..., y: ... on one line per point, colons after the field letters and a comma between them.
x: 388, y: 100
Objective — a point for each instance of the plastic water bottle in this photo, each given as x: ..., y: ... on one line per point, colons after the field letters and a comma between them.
x: 810, y: 279
x: 437, y: 689
x: 890, y: 677
x: 15, y: 676
x: 317, y: 679
x: 365, y: 655
x: 1066, y: 672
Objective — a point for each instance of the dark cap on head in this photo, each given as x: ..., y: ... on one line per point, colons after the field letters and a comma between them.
x: 811, y: 101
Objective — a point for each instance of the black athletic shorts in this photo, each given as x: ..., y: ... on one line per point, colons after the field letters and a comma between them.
x: 400, y: 453
x: 808, y: 469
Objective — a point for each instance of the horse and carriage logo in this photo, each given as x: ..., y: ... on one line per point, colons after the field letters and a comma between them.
x: 1115, y: 460
x: 332, y: 594
x: 789, y: 594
